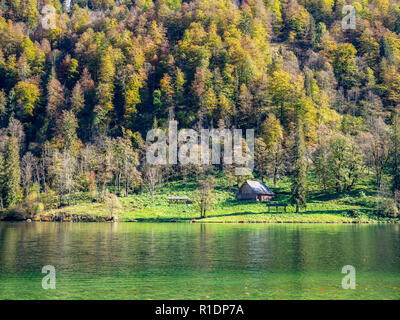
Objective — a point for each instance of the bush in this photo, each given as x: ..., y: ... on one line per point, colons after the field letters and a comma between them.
x: 38, y: 209
x: 362, y: 200
x: 354, y: 213
x: 15, y: 213
x: 50, y: 199
x: 112, y: 203
x: 387, y: 207
x: 28, y: 209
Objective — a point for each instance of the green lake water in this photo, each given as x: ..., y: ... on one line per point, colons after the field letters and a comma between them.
x: 198, y: 261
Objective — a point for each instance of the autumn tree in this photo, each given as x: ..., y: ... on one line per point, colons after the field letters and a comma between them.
x: 55, y: 103
x: 273, y: 138
x: 204, y: 197
x: 68, y: 132
x: 27, y: 96
x: 77, y: 99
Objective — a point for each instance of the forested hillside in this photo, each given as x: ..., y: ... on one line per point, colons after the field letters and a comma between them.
x: 77, y: 100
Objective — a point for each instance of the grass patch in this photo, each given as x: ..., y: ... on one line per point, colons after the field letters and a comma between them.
x: 323, y: 206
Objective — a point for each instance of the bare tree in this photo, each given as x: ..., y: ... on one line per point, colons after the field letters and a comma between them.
x: 153, y: 178
x: 68, y: 165
x: 104, y: 164
x: 376, y: 147
x: 126, y: 161
x: 112, y: 203
x: 28, y: 168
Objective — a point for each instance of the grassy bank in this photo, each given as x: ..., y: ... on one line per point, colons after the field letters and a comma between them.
x: 357, y: 206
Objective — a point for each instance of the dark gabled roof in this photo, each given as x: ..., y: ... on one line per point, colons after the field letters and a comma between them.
x: 259, y: 187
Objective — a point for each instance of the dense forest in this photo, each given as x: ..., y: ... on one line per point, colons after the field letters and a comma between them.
x: 77, y: 100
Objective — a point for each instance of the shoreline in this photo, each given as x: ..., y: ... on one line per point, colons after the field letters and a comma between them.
x: 201, y: 221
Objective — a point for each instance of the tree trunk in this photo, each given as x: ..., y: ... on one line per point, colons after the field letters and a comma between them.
x: 119, y: 183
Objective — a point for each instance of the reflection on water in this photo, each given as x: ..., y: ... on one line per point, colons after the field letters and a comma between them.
x: 198, y: 261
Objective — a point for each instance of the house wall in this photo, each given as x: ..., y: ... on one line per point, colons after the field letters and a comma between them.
x: 264, y: 198
x: 246, y: 193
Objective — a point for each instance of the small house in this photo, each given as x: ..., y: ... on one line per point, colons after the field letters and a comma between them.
x: 254, y: 190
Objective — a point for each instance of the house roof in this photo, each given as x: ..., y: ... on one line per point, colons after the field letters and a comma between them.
x: 259, y: 187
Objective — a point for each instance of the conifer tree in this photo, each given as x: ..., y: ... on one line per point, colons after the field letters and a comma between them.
x: 395, y: 153
x: 12, y: 187
x: 1, y: 180
x: 77, y: 99
x: 68, y: 132
x: 299, y: 176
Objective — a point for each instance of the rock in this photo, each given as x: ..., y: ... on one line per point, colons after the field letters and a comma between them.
x: 28, y: 220
x: 114, y: 218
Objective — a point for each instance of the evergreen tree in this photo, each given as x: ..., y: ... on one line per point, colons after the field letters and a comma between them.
x: 77, y: 99
x: 12, y: 170
x: 395, y: 153
x: 68, y: 132
x: 299, y: 176
x: 2, y: 180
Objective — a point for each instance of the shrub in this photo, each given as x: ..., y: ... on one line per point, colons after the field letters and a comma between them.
x: 15, y: 213
x: 387, y: 207
x: 112, y: 203
x: 50, y: 199
x: 29, y: 208
x: 38, y: 209
x: 354, y: 213
x: 362, y: 200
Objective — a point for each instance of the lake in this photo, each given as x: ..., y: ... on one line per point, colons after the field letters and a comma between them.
x: 198, y: 261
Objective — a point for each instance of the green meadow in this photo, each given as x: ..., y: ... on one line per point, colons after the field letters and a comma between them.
x: 357, y: 206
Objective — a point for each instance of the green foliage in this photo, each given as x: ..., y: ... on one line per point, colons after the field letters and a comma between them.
x: 204, y: 198
x: 395, y: 153
x: 27, y: 95
x: 387, y: 207
x: 68, y: 133
x: 354, y: 213
x: 50, y: 199
x: 345, y: 163
x: 299, y: 175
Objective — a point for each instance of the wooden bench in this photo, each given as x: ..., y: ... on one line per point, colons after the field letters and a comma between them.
x: 178, y: 199
x: 276, y: 205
